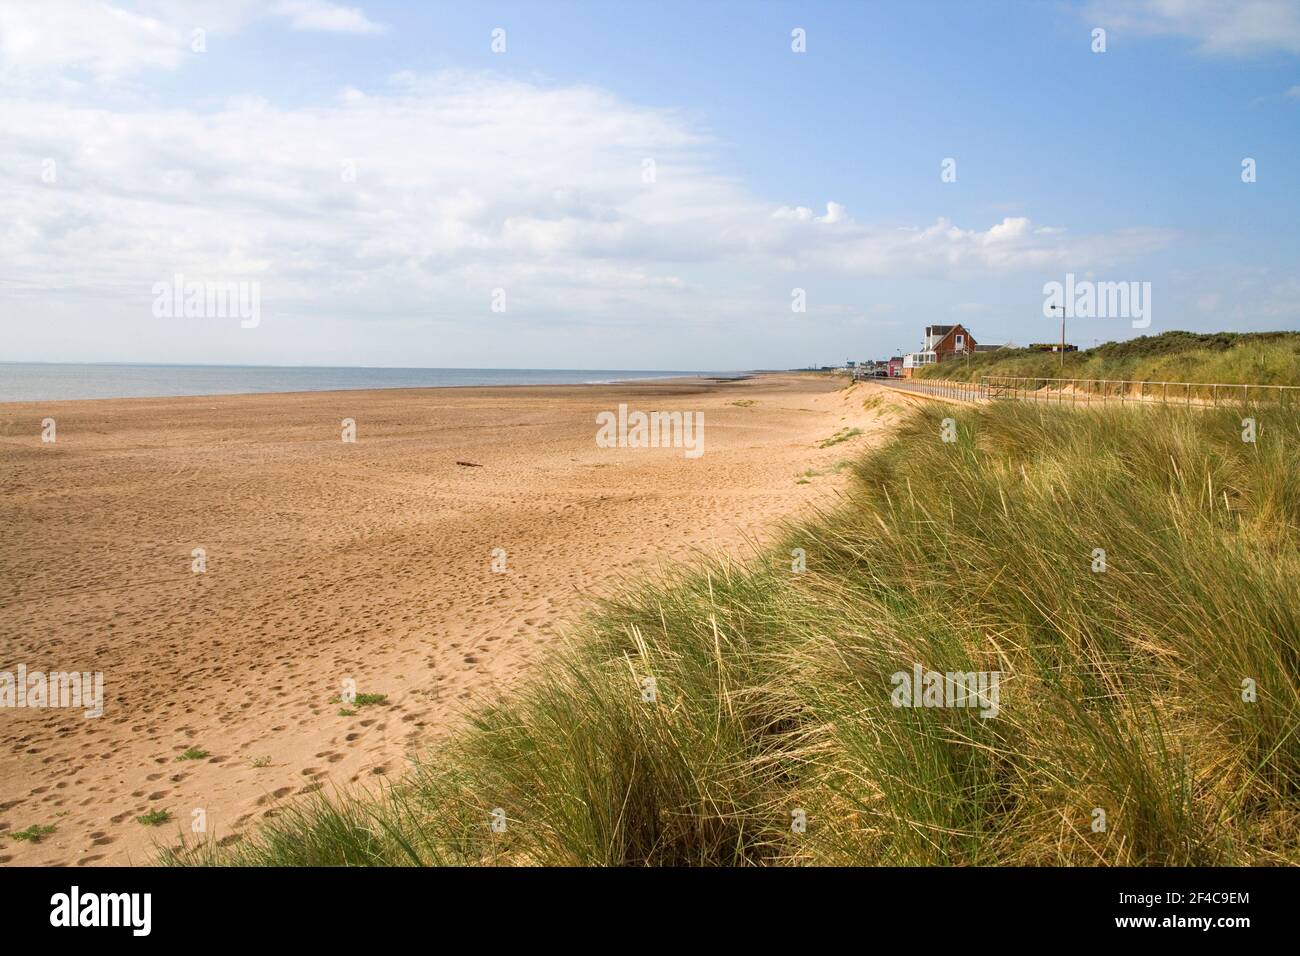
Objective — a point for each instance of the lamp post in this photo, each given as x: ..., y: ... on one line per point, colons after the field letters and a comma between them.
x: 1062, y: 308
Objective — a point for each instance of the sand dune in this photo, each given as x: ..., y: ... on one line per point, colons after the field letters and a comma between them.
x: 328, y: 561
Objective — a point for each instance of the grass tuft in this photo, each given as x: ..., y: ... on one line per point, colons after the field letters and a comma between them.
x: 843, y: 435
x: 33, y: 833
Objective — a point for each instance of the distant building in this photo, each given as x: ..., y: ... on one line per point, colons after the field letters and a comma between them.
x: 879, y: 368
x: 1051, y: 347
x: 940, y: 343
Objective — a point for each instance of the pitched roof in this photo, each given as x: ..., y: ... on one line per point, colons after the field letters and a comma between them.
x: 951, y: 333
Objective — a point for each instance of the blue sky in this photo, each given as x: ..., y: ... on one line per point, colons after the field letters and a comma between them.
x: 522, y: 171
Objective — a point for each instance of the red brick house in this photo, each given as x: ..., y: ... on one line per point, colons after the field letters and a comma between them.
x: 941, y: 342
x: 950, y: 340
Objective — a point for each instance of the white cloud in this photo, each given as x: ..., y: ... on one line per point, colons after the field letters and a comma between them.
x: 108, y: 41
x: 1219, y: 27
x: 798, y: 213
x: 410, y: 203
x: 326, y: 17
x: 834, y: 213
x: 86, y: 35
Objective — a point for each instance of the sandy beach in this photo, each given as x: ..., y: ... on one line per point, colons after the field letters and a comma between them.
x: 328, y: 560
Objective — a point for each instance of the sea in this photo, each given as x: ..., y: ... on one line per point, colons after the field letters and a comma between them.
x: 37, y: 382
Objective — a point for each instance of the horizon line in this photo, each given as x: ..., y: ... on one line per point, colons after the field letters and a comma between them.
x: 400, y: 368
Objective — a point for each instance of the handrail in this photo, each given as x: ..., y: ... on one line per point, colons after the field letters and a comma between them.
x: 1149, y: 391
x: 942, y: 388
x: 1084, y: 391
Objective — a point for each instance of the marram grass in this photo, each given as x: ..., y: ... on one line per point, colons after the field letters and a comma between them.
x: 1123, y: 692
x: 1255, y: 358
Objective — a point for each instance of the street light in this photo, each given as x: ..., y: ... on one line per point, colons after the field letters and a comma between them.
x: 1062, y: 308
